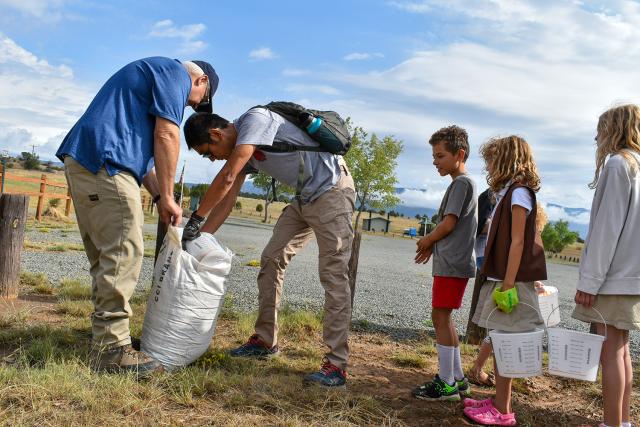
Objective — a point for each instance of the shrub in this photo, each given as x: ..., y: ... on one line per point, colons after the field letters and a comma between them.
x: 54, y: 203
x: 259, y: 207
x: 10, y: 165
x: 238, y: 205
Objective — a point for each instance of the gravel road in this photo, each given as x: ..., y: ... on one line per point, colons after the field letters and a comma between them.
x: 392, y: 293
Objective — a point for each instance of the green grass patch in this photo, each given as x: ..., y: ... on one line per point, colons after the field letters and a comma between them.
x: 73, y: 308
x: 253, y: 263
x: 33, y: 279
x: 57, y: 248
x: 406, y: 359
x: 44, y: 229
x: 150, y: 252
x: 299, y: 324
x: 73, y: 289
x: 13, y: 318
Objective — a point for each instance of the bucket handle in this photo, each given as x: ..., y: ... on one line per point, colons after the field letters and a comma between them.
x: 523, y: 303
x: 604, y: 322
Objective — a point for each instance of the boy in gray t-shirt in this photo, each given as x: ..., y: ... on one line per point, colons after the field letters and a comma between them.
x: 452, y: 245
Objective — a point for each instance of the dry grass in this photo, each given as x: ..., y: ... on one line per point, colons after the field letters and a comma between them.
x: 48, y: 382
x: 406, y: 359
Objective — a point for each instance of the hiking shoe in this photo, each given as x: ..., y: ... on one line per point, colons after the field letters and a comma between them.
x: 464, y: 389
x: 123, y: 359
x: 329, y: 376
x: 436, y: 390
x: 488, y: 415
x: 255, y: 347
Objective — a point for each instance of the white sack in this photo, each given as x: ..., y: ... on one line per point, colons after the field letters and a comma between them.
x: 185, y: 300
x: 202, y: 246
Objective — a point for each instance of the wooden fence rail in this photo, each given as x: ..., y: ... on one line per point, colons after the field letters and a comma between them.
x: 46, y: 184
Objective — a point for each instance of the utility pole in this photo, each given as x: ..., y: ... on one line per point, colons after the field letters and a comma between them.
x: 33, y: 149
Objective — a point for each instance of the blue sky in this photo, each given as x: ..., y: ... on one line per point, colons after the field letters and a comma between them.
x: 541, y: 69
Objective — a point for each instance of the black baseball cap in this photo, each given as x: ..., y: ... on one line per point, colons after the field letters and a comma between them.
x: 213, y: 86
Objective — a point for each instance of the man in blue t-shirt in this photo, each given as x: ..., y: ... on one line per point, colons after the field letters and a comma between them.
x: 132, y: 123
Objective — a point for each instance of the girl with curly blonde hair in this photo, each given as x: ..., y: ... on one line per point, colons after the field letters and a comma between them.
x: 609, y: 270
x: 513, y: 261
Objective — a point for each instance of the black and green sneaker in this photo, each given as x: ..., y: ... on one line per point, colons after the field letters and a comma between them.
x: 437, y: 390
x: 464, y: 389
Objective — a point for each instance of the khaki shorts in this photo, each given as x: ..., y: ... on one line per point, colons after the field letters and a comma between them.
x: 522, y: 318
x: 620, y: 311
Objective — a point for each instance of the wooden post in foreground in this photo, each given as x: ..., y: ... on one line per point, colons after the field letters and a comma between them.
x: 353, y: 263
x: 474, y: 332
x: 13, y: 218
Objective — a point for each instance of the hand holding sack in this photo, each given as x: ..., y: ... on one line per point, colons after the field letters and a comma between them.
x: 506, y: 300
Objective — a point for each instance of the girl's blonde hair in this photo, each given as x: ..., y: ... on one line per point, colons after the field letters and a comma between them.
x: 618, y: 132
x: 541, y: 218
x: 511, y: 158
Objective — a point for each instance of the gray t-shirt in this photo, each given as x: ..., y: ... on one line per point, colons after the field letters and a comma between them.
x: 260, y: 126
x: 454, y: 256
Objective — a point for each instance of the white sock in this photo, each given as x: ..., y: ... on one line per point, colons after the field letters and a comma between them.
x: 626, y: 424
x: 445, y: 360
x: 458, y: 375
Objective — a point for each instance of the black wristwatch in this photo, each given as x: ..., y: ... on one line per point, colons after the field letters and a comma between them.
x: 156, y: 198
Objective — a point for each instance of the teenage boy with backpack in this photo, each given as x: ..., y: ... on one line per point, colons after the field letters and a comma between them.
x: 324, y: 205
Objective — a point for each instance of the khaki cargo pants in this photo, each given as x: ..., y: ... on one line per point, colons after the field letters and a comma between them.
x: 110, y: 219
x: 329, y: 218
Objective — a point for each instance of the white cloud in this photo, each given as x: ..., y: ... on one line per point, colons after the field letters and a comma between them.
x: 46, y: 10
x: 313, y: 88
x: 262, y: 53
x: 187, y: 34
x: 413, y: 7
x: 295, y: 72
x: 362, y: 56
x: 541, y: 69
x: 39, y: 102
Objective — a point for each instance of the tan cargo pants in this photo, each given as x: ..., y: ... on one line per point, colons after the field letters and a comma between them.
x: 329, y: 218
x: 110, y: 219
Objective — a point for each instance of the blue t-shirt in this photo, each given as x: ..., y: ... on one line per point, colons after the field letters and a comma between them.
x: 117, y: 129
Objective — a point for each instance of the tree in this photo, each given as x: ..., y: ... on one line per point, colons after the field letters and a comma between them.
x: 418, y: 217
x: 263, y: 181
x: 556, y: 236
x: 30, y: 160
x: 372, y: 162
x: 176, y: 189
x: 198, y: 190
x: 258, y: 207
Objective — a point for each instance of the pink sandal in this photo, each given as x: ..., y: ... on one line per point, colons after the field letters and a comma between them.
x: 488, y: 415
x: 473, y: 403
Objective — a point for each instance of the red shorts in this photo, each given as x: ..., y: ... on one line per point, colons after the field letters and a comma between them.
x: 448, y: 291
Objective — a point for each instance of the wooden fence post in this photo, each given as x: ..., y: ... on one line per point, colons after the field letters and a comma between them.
x: 13, y: 218
x: 353, y: 263
x: 43, y: 189
x: 474, y: 332
x: 67, y: 205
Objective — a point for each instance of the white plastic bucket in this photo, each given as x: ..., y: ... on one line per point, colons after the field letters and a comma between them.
x: 549, y: 306
x: 518, y: 354
x: 574, y: 354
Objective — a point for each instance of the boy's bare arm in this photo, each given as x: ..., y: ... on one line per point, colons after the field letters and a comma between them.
x: 442, y: 230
